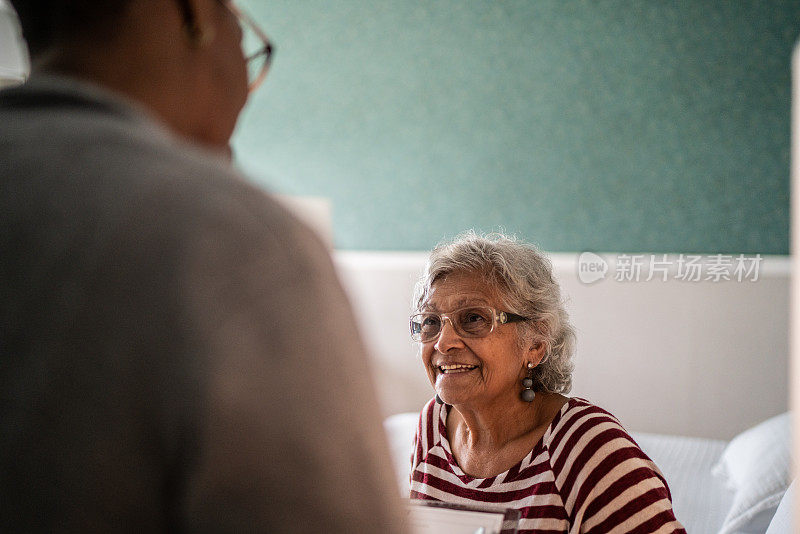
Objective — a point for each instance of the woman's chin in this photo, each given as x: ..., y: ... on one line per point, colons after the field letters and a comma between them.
x: 455, y: 388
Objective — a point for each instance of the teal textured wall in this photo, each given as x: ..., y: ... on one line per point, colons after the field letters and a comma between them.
x: 637, y: 126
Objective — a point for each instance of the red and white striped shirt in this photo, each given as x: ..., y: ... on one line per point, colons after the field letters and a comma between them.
x: 586, y: 475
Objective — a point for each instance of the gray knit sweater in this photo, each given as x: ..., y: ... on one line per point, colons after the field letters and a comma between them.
x: 176, y: 353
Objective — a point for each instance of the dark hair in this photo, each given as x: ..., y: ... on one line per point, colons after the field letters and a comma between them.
x: 46, y: 23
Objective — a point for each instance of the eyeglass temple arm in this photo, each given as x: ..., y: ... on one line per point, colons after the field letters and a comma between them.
x: 508, y: 317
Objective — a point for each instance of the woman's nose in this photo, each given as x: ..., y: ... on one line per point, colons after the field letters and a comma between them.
x: 448, y: 337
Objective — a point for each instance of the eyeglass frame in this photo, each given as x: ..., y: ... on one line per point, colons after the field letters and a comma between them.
x: 267, y: 49
x: 498, y: 317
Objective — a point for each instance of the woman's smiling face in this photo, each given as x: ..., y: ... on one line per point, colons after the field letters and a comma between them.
x: 472, y: 371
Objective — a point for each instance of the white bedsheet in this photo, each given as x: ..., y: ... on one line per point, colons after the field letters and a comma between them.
x: 699, y: 499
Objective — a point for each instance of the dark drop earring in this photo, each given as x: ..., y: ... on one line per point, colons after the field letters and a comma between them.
x: 528, y: 394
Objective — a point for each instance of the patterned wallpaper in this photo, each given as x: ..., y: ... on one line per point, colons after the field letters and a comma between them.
x: 634, y: 126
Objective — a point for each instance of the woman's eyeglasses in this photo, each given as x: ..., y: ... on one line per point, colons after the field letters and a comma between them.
x: 256, y: 47
x: 475, y: 321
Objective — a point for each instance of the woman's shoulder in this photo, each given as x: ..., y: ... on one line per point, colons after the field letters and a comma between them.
x: 585, y: 436
x: 581, y: 424
x: 579, y: 409
x: 599, y: 467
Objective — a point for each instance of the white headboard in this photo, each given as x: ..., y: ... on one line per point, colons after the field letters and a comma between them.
x: 704, y: 358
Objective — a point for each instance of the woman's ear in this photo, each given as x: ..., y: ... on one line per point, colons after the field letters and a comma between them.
x: 536, y: 352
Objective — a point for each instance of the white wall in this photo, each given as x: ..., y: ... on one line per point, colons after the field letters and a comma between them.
x: 704, y: 359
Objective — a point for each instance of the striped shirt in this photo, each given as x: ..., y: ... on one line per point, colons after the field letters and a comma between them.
x: 586, y: 475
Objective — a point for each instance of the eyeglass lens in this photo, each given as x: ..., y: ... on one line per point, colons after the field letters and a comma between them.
x: 254, y: 51
x: 467, y: 322
x: 256, y: 47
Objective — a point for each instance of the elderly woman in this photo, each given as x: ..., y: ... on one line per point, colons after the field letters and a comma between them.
x: 497, y: 345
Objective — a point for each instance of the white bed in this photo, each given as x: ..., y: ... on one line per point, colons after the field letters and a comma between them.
x: 718, y: 487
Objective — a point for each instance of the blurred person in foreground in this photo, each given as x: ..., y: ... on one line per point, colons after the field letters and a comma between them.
x: 176, y: 353
x: 497, y: 345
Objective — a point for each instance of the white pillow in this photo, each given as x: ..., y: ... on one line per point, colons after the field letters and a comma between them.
x: 756, y: 465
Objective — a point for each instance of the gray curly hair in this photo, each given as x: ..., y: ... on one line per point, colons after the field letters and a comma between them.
x: 523, y: 276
